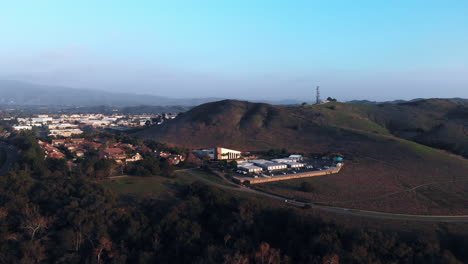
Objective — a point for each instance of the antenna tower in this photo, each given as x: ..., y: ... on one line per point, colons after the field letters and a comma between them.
x: 317, y: 97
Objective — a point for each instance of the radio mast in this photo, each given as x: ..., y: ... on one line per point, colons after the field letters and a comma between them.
x: 317, y: 96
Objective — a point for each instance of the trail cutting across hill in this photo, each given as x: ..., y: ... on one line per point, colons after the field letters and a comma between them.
x: 340, y: 210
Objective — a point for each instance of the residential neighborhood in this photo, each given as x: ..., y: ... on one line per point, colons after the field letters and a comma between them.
x: 72, y: 149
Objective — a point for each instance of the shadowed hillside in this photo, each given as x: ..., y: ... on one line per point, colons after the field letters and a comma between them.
x: 372, y: 137
x: 437, y: 123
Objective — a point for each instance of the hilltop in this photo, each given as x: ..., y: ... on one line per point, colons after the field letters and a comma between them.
x: 435, y: 122
x: 376, y: 139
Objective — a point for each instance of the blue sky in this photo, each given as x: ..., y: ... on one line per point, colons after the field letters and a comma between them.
x: 378, y: 50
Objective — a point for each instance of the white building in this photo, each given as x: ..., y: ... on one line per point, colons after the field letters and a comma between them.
x: 248, y: 167
x: 295, y: 165
x: 269, y: 165
x: 65, y: 132
x: 296, y: 157
x: 227, y: 154
x: 62, y: 126
x: 283, y: 160
x: 291, y: 163
x: 41, y: 120
x: 18, y: 128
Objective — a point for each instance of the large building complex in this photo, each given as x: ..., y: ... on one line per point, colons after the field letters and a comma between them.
x: 259, y: 165
x: 293, y: 167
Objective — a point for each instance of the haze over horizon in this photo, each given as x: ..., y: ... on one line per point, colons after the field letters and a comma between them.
x: 269, y: 50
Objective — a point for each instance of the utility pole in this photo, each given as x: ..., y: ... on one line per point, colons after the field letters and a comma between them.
x: 317, y: 97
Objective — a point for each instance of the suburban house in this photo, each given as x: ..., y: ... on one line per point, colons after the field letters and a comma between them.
x: 134, y: 158
x: 51, y: 151
x: 175, y: 159
x: 114, y: 153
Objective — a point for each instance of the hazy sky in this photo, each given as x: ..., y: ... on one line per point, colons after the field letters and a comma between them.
x: 379, y: 50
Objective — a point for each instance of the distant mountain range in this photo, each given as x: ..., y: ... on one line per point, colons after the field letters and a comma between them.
x: 455, y: 99
x: 21, y: 93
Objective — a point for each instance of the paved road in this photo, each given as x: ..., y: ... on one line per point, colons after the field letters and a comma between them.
x: 11, y: 155
x: 340, y: 210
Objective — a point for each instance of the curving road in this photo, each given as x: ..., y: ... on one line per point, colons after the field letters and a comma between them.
x: 339, y: 210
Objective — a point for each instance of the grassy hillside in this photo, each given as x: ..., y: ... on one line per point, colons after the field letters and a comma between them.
x: 435, y: 122
x: 375, y: 139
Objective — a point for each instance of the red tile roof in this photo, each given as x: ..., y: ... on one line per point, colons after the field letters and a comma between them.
x: 114, y: 151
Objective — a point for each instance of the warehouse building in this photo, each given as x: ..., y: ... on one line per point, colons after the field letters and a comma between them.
x: 296, y: 157
x: 295, y: 165
x: 291, y: 163
x: 249, y: 167
x: 269, y: 165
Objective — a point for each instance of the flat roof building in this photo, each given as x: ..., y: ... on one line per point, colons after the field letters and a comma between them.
x: 258, y: 161
x: 295, y: 165
x: 269, y: 165
x: 284, y: 160
x: 295, y: 157
x: 249, y: 167
x: 291, y: 163
x: 18, y: 128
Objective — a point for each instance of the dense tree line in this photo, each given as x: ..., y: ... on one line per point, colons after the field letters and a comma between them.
x: 51, y: 215
x: 150, y: 166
